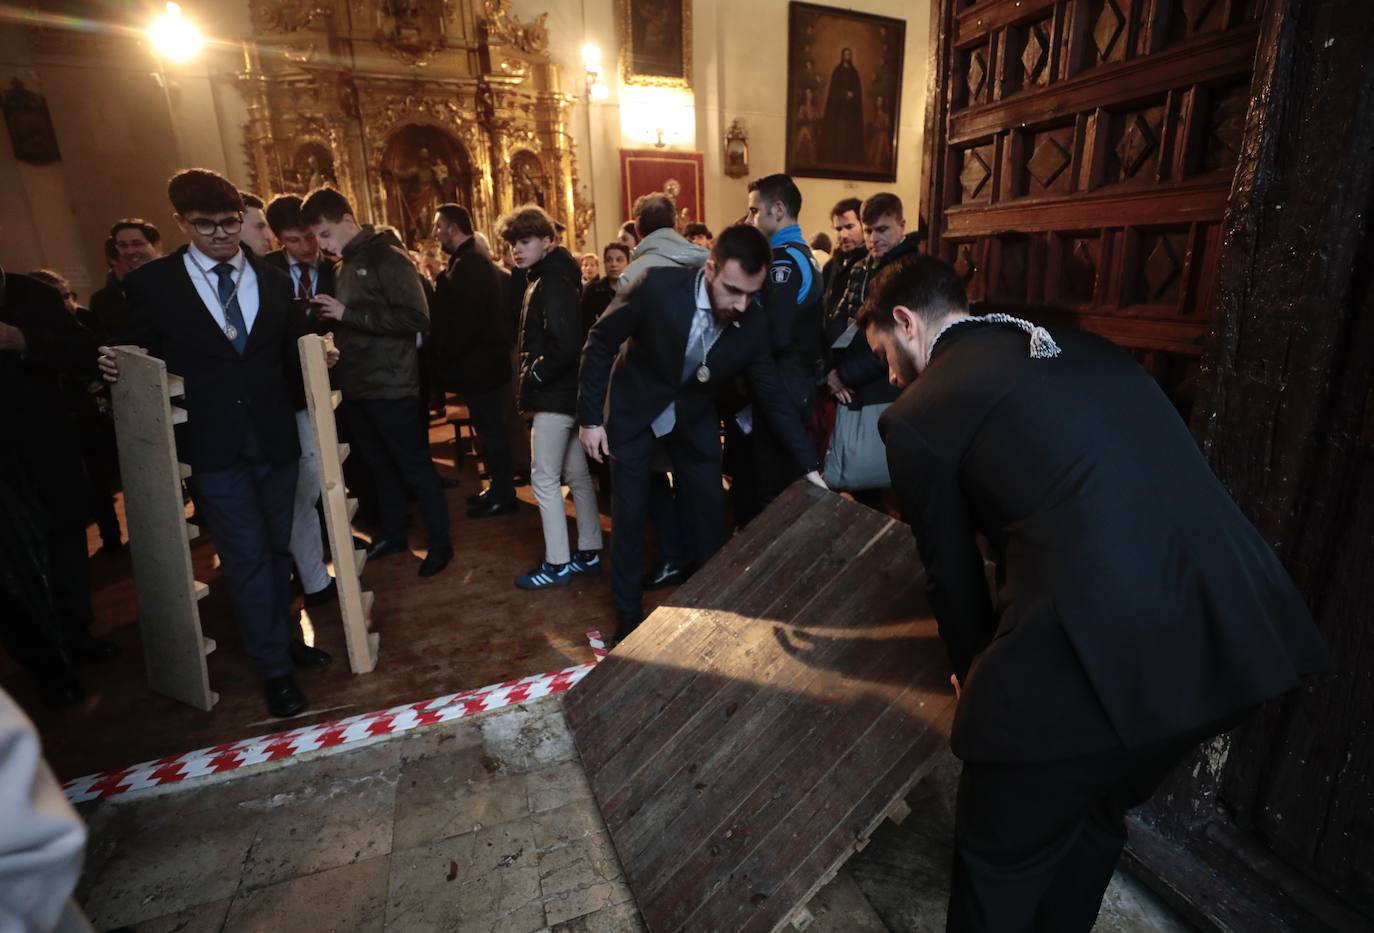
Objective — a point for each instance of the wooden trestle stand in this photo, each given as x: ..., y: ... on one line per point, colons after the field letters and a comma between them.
x: 355, y: 606
x: 174, y: 649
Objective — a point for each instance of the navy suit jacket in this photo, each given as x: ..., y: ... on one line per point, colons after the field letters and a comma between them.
x: 227, y: 394
x: 635, y: 352
x: 1136, y: 602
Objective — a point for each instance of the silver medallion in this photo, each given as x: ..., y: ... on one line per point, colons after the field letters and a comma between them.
x: 703, y: 373
x: 231, y: 332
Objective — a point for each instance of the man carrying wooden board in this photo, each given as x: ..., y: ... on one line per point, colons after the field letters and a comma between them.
x: 1140, y: 611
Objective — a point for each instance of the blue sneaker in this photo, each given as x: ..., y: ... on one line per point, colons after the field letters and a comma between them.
x: 544, y: 576
x: 586, y: 562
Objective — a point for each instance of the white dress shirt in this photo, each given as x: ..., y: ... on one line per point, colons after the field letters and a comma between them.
x: 207, y: 285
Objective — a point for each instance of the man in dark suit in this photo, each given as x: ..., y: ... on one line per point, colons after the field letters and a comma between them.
x: 471, y: 341
x: 312, y: 273
x: 222, y: 320
x: 1140, y: 612
x: 685, y: 333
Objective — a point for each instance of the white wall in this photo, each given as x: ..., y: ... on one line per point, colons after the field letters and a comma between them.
x: 740, y: 61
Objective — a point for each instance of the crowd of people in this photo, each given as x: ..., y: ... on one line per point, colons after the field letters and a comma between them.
x: 1134, y: 617
x: 614, y: 375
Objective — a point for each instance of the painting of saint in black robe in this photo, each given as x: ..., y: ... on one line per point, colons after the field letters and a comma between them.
x: 844, y: 85
x: 842, y: 128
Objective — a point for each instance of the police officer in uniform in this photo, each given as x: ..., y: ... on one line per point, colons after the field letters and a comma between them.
x: 794, y: 301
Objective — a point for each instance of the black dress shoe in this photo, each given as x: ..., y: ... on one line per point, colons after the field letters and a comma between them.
x: 479, y: 498
x: 521, y: 479
x: 284, y: 698
x: 665, y: 575
x: 491, y: 508
x: 304, y: 656
x: 436, y: 560
x: 83, y: 646
x: 59, y: 688
x: 624, y: 627
x: 383, y: 548
x: 320, y: 597
x: 361, y: 544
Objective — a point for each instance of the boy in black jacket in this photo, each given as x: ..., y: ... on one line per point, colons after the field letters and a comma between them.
x: 550, y: 343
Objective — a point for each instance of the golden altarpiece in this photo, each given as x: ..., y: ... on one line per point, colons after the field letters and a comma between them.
x: 406, y: 104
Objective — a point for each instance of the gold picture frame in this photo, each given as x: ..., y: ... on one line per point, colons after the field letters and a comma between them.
x: 656, y: 43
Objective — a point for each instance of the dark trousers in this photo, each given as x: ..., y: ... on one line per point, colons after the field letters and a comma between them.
x: 1035, y: 845
x: 700, y: 502
x: 247, y: 510
x: 386, y: 435
x: 102, y: 464
x: 672, y: 544
x: 775, y: 466
x: 486, y: 410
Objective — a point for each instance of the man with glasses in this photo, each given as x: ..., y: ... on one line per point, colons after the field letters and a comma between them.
x: 222, y: 320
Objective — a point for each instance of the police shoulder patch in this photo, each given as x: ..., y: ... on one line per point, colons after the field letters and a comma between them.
x: 782, y: 271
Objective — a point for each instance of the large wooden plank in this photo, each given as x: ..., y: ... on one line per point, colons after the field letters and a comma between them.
x: 354, y: 605
x: 169, y: 618
x: 747, y: 737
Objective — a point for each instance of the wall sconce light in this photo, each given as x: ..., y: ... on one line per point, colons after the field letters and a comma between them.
x: 736, y: 150
x: 591, y: 60
x: 174, y: 37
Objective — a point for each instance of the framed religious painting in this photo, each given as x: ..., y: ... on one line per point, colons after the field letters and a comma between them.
x: 844, y: 93
x: 656, y: 42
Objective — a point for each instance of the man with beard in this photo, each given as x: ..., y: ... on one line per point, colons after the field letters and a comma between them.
x: 1141, y: 612
x: 842, y: 127
x: 849, y: 252
x: 471, y: 342
x: 662, y: 351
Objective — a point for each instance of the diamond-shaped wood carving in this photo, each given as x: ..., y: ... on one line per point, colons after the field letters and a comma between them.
x: 1048, y: 161
x: 1035, y: 55
x: 977, y: 76
x: 974, y: 176
x: 1107, y: 28
x: 1196, y: 11
x: 963, y: 262
x: 1227, y: 130
x: 1135, y: 145
x: 1161, y: 268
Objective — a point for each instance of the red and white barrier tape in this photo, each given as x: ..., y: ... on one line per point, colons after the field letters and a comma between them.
x: 364, y: 727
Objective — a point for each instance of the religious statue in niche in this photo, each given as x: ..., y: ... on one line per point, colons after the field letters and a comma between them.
x: 312, y: 167
x: 527, y: 179
x: 30, y: 125
x: 844, y: 77
x: 423, y: 167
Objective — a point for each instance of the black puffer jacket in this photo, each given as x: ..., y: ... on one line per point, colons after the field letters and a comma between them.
x: 551, y: 335
x: 470, y: 332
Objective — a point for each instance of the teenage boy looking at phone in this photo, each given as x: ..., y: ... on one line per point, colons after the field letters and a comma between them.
x: 378, y: 308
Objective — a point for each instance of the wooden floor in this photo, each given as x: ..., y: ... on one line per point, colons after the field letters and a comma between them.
x: 467, y: 627
x: 757, y: 728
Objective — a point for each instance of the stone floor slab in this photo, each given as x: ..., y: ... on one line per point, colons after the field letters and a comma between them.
x: 207, y: 918
x: 622, y: 918
x: 527, y: 737
x: 169, y: 868
x: 557, y: 785
x: 314, y: 828
x: 448, y: 795
x: 485, y: 880
x: 348, y: 899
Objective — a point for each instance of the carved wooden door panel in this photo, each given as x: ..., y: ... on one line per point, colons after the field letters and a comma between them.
x: 1080, y: 157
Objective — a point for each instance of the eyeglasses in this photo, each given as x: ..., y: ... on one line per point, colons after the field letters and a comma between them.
x: 207, y: 227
